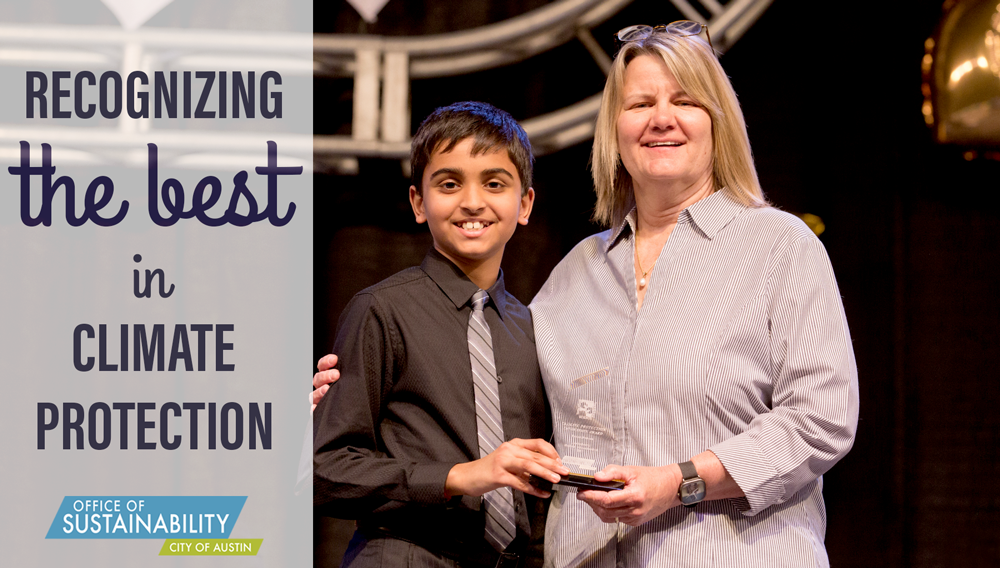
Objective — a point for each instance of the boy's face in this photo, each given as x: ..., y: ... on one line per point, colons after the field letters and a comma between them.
x: 471, y: 203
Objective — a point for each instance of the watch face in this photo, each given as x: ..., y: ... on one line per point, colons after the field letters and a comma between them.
x: 691, y: 491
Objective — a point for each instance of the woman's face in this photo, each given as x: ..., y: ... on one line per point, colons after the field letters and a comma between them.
x: 664, y: 136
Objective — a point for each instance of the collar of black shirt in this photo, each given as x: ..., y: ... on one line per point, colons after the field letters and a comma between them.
x: 457, y: 286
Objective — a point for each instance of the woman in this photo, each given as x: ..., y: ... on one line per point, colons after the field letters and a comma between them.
x: 703, y: 333
x: 704, y: 327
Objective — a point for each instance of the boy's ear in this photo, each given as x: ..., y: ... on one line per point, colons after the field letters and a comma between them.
x: 417, y: 202
x: 527, y: 200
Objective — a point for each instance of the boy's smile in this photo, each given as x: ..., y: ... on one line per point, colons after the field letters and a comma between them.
x: 472, y: 205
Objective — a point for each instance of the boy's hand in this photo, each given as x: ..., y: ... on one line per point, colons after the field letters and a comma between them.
x: 322, y: 379
x: 509, y: 465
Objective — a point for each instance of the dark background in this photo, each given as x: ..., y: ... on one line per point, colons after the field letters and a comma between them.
x: 831, y: 95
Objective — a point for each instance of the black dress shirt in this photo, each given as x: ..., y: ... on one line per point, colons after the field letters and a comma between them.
x: 403, y: 412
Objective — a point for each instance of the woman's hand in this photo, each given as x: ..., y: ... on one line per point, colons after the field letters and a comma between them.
x: 325, y: 375
x: 509, y: 465
x: 648, y: 492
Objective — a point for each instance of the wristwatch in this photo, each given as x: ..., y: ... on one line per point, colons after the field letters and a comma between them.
x: 692, y: 488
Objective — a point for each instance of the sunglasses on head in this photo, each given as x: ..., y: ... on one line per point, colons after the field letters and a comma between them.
x: 679, y: 28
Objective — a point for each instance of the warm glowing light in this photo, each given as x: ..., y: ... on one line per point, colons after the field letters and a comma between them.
x: 993, y: 51
x: 961, y: 71
x: 814, y: 222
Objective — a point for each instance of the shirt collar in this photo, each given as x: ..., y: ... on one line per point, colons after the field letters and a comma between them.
x: 457, y: 286
x: 710, y: 215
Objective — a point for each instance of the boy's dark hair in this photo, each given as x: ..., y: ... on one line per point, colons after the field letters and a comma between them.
x: 491, y: 128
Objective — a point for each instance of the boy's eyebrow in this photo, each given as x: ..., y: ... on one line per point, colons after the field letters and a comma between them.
x: 449, y: 171
x: 495, y: 171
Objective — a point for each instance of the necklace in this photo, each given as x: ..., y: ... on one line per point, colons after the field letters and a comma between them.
x: 642, y: 281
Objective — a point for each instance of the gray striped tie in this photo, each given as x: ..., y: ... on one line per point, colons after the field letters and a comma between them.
x: 499, y: 504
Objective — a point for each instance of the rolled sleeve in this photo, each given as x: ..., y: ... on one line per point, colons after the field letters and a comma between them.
x: 814, y: 403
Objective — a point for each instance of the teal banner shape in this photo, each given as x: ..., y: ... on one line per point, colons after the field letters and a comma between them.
x: 146, y: 517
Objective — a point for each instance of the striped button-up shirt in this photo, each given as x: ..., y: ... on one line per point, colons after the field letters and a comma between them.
x: 740, y: 347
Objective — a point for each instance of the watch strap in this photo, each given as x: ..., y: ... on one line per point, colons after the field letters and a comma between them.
x: 688, y: 471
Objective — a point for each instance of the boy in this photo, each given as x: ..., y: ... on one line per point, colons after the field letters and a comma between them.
x: 411, y: 443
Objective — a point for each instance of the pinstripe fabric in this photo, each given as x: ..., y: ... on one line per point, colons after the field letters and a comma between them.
x: 741, y: 347
x: 499, y: 503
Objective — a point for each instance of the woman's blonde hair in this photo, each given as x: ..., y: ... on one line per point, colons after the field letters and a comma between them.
x: 693, y: 64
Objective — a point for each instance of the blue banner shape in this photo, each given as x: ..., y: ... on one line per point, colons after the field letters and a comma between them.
x: 146, y: 517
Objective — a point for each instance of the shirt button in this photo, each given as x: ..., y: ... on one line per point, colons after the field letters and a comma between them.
x: 499, y: 379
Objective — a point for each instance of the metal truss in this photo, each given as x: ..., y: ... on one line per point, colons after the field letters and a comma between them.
x: 382, y: 68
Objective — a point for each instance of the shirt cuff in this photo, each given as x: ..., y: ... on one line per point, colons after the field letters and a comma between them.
x: 752, y: 472
x: 426, y: 482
